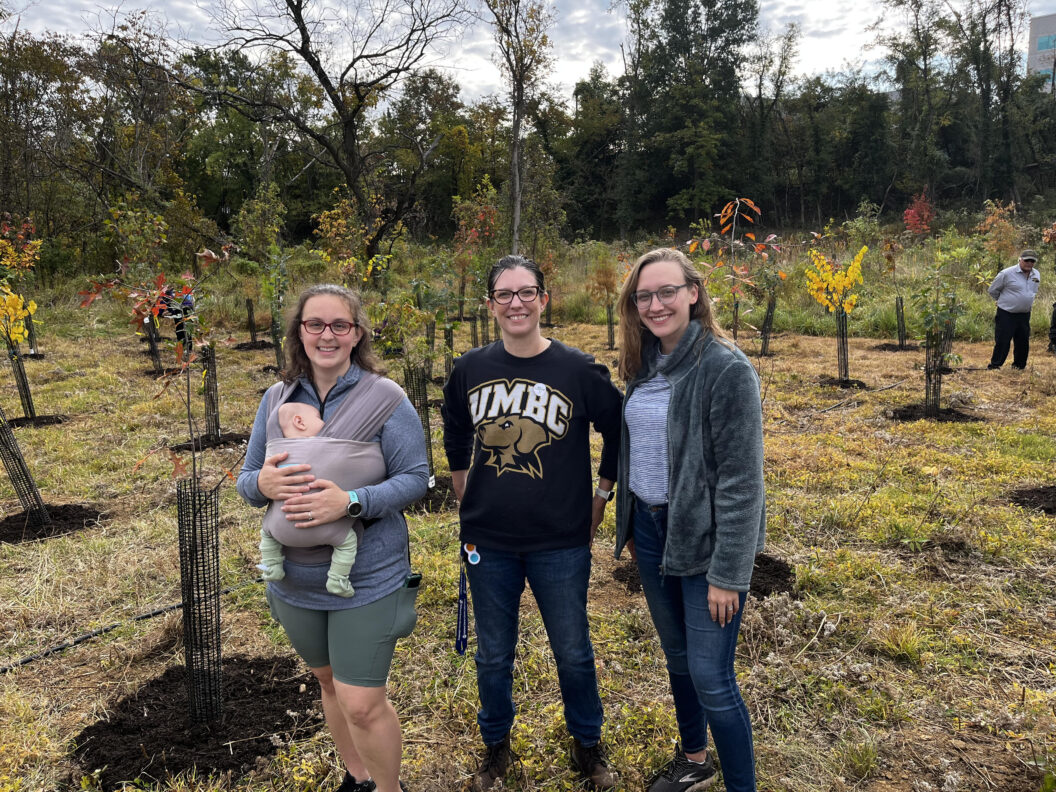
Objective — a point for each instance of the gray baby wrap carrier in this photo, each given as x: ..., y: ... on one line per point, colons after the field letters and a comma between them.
x: 342, y: 452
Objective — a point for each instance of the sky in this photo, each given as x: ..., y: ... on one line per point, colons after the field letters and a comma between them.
x: 834, y: 34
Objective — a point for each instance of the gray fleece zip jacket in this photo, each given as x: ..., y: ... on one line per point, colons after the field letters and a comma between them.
x: 716, y: 520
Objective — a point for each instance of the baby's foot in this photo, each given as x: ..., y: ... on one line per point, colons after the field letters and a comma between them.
x: 336, y: 584
x: 274, y: 572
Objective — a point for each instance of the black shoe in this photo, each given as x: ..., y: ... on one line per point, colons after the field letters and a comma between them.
x: 683, y: 775
x: 350, y: 784
x: 593, y: 765
x: 992, y: 367
x: 493, y: 766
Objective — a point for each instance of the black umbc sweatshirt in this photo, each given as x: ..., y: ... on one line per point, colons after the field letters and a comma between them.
x: 525, y: 424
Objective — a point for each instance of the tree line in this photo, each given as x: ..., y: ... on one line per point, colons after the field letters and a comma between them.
x: 338, y: 104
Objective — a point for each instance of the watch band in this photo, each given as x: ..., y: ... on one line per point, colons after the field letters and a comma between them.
x: 605, y: 495
x: 354, y: 508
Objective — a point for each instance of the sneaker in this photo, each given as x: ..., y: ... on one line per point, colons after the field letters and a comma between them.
x: 496, y: 762
x: 683, y: 775
x: 593, y: 765
x: 350, y: 784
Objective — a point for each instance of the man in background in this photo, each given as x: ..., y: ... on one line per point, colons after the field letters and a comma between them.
x: 1014, y: 290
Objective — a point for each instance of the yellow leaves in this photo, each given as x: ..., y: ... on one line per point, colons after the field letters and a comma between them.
x: 831, y: 286
x: 13, y: 311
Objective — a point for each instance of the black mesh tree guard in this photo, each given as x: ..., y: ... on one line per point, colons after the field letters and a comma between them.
x: 485, y: 328
x: 251, y: 320
x: 474, y: 338
x: 24, y: 394
x: 900, y: 321
x: 416, y: 382
x: 842, y: 361
x: 933, y: 366
x: 150, y: 329
x: 25, y: 487
x: 610, y: 323
x: 449, y: 353
x: 768, y: 325
x: 31, y: 332
x: 198, y: 513
x: 495, y: 329
x: 736, y: 317
x: 276, y: 336
x: 212, y: 400
x: 430, y: 340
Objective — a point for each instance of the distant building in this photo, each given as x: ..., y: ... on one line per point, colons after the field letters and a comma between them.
x: 1041, y: 53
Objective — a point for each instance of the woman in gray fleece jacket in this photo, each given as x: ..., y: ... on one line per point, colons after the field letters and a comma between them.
x: 691, y: 505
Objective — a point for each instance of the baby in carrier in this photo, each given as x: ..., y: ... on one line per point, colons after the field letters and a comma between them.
x: 303, y: 421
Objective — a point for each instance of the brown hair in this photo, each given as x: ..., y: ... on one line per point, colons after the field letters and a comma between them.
x: 297, y: 363
x: 633, y: 332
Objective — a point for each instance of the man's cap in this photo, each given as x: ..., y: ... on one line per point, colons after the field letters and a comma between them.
x: 1029, y: 254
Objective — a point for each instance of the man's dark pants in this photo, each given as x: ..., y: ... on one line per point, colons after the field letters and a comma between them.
x: 1011, y: 328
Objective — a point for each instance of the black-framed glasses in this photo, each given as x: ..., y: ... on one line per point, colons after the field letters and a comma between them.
x: 526, y: 295
x: 317, y: 326
x: 666, y: 295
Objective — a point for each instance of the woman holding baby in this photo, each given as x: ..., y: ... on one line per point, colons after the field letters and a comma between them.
x: 361, y: 468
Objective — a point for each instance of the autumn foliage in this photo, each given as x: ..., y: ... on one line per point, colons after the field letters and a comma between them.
x: 920, y: 214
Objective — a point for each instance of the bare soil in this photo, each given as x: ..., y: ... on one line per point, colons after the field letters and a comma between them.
x: 249, y: 346
x: 147, y: 736
x: 915, y: 412
x: 1040, y: 498
x: 65, y: 519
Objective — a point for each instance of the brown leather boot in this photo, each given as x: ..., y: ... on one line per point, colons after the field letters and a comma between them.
x: 593, y: 765
x: 493, y: 766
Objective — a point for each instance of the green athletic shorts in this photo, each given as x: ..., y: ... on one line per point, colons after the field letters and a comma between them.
x: 357, y: 643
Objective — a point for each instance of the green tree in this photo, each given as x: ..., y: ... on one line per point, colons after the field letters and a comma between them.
x: 521, y: 30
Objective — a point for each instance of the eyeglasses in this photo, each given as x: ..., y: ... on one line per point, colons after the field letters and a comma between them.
x: 526, y: 295
x: 666, y: 295
x: 317, y: 326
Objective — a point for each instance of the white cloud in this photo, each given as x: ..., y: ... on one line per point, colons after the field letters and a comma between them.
x: 834, y: 33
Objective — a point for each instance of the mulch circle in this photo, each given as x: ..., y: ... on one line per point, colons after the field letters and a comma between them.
x: 148, y: 737
x: 40, y: 420
x: 65, y: 519
x: 915, y: 412
x: 772, y: 576
x: 1040, y: 498
x: 911, y: 346
x: 769, y: 576
x: 835, y: 382
x: 165, y: 372
x: 440, y: 497
x: 627, y: 574
x: 224, y: 439
x: 33, y: 356
x: 247, y: 346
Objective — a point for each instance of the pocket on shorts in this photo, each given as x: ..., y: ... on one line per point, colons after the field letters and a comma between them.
x: 406, y: 615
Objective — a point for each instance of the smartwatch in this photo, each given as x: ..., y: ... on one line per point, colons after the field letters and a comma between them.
x: 605, y: 495
x: 355, y: 508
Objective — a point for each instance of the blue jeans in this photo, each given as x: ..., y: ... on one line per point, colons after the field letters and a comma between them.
x: 699, y: 655
x: 559, y: 582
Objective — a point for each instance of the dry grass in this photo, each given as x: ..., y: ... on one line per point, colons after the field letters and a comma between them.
x: 916, y: 652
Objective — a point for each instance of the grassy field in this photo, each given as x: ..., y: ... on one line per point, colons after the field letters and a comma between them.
x: 916, y: 649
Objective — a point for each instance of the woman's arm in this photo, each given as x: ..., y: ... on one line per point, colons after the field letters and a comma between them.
x: 736, y: 419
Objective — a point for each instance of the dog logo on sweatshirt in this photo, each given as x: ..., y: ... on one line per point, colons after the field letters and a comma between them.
x: 516, y: 418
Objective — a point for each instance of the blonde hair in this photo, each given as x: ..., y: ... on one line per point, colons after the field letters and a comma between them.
x: 297, y: 363
x: 633, y: 332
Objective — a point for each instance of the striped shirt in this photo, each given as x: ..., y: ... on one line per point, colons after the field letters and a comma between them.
x: 646, y: 416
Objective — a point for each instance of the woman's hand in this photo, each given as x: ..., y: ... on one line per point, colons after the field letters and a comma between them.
x: 723, y: 604
x: 324, y: 502
x: 282, y: 483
